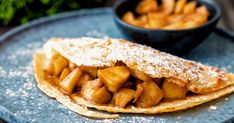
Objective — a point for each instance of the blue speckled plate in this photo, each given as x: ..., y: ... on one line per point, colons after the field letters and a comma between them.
x: 22, y: 101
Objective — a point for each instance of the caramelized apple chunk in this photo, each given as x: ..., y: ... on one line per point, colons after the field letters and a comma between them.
x: 190, y: 7
x: 69, y: 82
x: 92, y: 71
x: 139, y: 90
x: 203, y: 11
x: 146, y: 6
x: 84, y: 78
x: 114, y: 77
x: 179, y: 6
x: 59, y: 64
x: 90, y: 87
x: 168, y: 6
x: 139, y: 75
x: 123, y: 96
x: 50, y: 69
x: 102, y: 96
x: 72, y: 66
x: 173, y: 91
x: 55, y: 80
x: 150, y: 96
x: 54, y: 55
x: 64, y: 74
x: 52, y: 80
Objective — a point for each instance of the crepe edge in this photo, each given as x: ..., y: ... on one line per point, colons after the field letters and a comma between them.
x: 80, y: 105
x: 163, y: 107
x: 196, y: 87
x: 53, y: 92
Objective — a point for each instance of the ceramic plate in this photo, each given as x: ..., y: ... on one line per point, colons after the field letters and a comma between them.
x: 22, y: 101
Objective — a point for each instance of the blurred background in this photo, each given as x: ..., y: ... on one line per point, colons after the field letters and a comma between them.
x: 16, y: 12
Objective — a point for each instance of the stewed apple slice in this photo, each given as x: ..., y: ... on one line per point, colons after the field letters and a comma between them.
x: 69, y: 83
x: 92, y: 71
x: 203, y: 11
x: 150, y: 96
x: 63, y: 75
x: 173, y: 91
x: 179, y: 6
x: 114, y: 77
x: 53, y: 80
x: 168, y: 6
x: 190, y: 7
x: 146, y: 6
x: 102, y: 96
x: 123, y: 96
x: 84, y: 78
x: 59, y: 64
x: 72, y: 66
x: 50, y: 67
x: 139, y: 75
x: 139, y: 91
x: 90, y: 87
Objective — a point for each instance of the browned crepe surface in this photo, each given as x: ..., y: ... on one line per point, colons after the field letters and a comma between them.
x: 106, y: 52
x: 99, y: 53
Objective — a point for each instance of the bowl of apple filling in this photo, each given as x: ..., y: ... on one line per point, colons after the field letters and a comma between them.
x: 174, y: 26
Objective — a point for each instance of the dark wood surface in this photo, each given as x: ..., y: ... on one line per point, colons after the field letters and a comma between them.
x: 1, y: 121
x: 227, y: 20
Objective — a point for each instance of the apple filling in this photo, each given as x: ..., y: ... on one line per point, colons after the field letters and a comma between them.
x: 118, y: 85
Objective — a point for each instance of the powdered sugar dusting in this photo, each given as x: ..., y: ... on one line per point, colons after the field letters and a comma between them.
x: 10, y: 93
x: 21, y: 85
x: 106, y: 52
x: 2, y: 72
x: 213, y: 108
x: 22, y: 92
x: 96, y: 34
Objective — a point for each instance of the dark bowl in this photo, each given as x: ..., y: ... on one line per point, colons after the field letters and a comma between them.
x: 172, y: 41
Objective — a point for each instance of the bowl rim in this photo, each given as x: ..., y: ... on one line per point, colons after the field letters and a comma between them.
x: 210, y: 3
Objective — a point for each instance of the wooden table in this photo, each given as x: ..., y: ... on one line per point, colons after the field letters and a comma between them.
x: 227, y: 20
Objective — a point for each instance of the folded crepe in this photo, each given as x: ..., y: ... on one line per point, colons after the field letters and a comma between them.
x: 118, y: 76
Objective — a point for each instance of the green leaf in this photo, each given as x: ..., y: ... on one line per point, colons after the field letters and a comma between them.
x: 45, y: 1
x: 24, y: 20
x: 13, y: 12
x: 51, y: 11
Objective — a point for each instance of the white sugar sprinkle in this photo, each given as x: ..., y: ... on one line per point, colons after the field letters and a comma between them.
x: 212, y: 107
x: 96, y: 34
x: 25, y: 91
x: 10, y: 93
x: 2, y: 72
x: 101, y: 52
